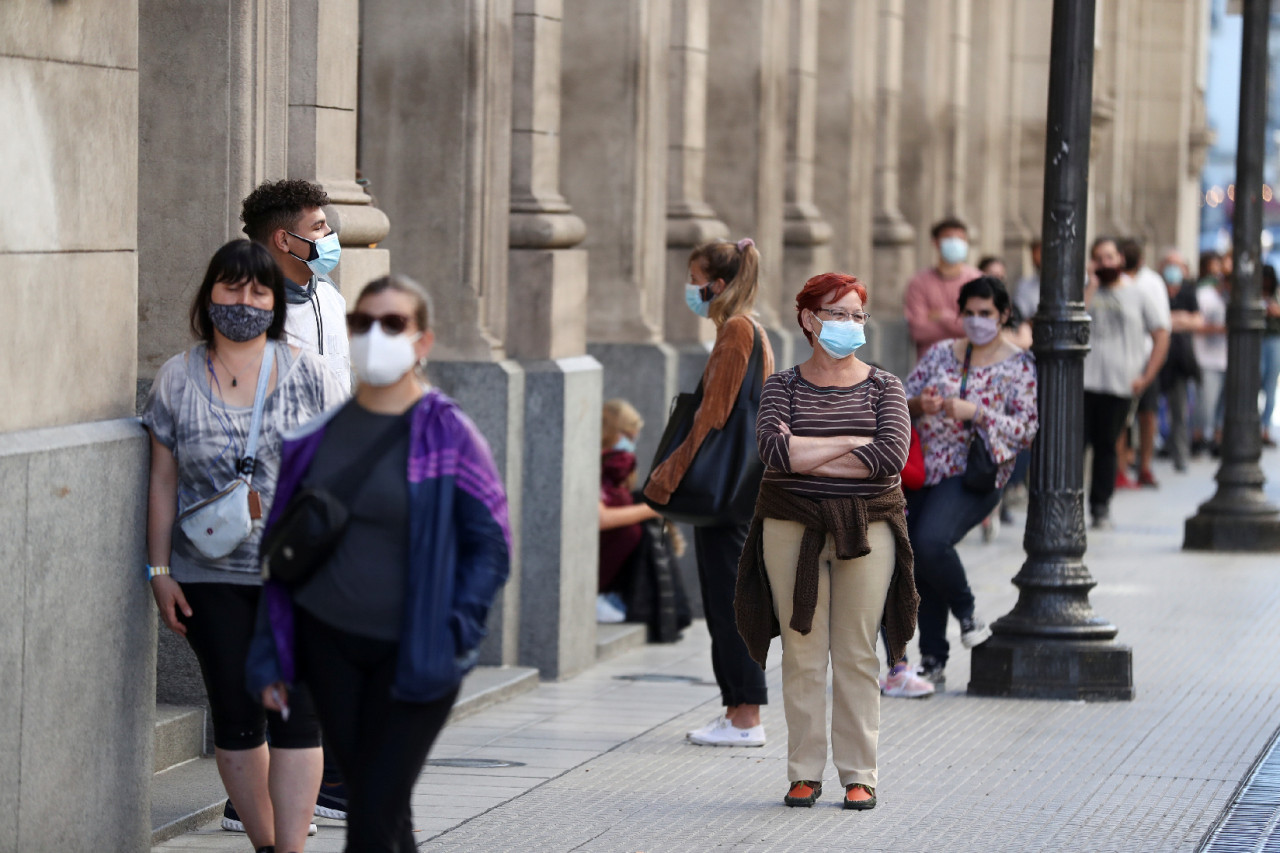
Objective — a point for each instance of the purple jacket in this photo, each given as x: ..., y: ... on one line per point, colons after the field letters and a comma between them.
x: 459, y: 554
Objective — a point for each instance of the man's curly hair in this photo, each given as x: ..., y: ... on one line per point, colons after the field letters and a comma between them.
x: 278, y: 204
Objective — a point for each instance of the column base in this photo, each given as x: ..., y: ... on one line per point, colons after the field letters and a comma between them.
x: 560, y: 539
x: 1034, y: 668
x: 492, y: 395
x: 1218, y: 531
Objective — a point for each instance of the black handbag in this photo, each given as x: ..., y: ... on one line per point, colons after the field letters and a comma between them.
x: 721, y: 484
x: 980, y: 468
x: 316, y: 518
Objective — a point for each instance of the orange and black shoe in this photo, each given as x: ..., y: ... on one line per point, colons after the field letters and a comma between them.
x: 803, y: 793
x: 865, y: 794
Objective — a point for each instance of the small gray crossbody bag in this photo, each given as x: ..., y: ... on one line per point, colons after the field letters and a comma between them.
x: 217, y: 525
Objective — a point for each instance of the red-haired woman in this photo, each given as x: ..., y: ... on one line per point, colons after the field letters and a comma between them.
x: 831, y: 532
x: 722, y: 287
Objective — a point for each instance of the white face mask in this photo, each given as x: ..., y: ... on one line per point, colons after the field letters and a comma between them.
x: 381, y: 359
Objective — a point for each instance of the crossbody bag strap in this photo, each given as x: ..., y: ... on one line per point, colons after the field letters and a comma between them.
x: 344, y: 484
x: 250, y: 461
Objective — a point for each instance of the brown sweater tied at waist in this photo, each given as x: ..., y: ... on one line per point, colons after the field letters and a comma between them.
x: 846, y: 519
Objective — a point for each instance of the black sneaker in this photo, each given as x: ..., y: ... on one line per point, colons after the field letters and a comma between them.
x: 231, y: 821
x: 973, y: 632
x: 331, y: 802
x: 933, y: 671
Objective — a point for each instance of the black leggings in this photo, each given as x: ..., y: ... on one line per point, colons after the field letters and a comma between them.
x: 740, y: 678
x: 1104, y: 417
x: 380, y: 743
x: 219, y: 630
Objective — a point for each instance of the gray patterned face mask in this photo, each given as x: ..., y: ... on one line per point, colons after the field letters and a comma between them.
x: 240, y: 322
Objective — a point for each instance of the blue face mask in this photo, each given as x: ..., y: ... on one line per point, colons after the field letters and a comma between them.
x: 324, y: 253
x: 694, y: 297
x: 840, y: 339
x: 1173, y: 274
x: 954, y: 250
x: 625, y: 444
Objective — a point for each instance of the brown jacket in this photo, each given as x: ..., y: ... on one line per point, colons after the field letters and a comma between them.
x: 723, y: 377
x: 846, y: 519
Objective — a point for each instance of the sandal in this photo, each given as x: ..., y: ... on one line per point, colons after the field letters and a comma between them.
x: 803, y: 793
x: 860, y: 805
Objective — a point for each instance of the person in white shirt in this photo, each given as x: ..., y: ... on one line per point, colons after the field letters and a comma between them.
x: 288, y: 218
x: 1210, y: 344
x: 1026, y: 296
x: 1153, y: 288
x: 1116, y: 369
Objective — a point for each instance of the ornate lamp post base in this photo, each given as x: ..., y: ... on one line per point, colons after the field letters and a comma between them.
x: 1027, y: 668
x: 1210, y: 530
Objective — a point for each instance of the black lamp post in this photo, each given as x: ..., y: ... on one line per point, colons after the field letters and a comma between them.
x: 1052, y: 645
x: 1238, y: 517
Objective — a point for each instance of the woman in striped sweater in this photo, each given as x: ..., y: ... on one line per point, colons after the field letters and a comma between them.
x: 831, y: 532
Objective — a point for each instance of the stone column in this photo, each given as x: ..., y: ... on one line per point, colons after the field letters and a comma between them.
x: 1023, y: 174
x: 807, y: 235
x: 438, y: 157
x: 77, y: 624
x: 324, y: 51
x: 845, y: 133
x: 893, y: 238
x: 547, y: 332
x: 690, y: 220
x: 195, y: 167
x: 615, y: 124
x: 747, y: 131
x: 991, y: 59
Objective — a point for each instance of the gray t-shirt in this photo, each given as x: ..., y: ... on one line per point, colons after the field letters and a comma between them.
x: 208, y: 438
x: 1123, y: 318
x: 360, y: 589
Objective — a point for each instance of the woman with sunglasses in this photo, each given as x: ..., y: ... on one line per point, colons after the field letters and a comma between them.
x: 383, y: 632
x: 200, y: 414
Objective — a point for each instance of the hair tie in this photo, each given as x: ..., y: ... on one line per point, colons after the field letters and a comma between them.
x: 744, y: 243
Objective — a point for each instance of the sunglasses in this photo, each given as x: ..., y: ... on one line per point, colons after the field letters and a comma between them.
x: 358, y: 322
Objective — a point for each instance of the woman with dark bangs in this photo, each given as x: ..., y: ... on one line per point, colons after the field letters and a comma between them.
x: 827, y: 561
x: 200, y: 414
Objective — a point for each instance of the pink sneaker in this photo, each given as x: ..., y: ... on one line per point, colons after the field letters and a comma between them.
x: 905, y: 684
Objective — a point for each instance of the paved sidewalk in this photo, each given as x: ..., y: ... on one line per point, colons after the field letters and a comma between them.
x: 606, y: 768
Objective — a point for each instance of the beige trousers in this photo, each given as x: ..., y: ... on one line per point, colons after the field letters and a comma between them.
x: 846, y: 622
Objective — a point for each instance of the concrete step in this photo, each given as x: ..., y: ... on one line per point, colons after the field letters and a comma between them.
x: 185, y: 797
x: 190, y: 794
x: 612, y: 639
x: 179, y: 735
x: 488, y: 685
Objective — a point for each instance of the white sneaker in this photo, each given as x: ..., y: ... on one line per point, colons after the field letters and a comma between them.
x: 606, y: 612
x: 905, y: 684
x: 721, y: 732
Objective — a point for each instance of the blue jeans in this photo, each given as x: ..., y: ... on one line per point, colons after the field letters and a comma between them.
x: 938, y: 517
x: 1270, y: 374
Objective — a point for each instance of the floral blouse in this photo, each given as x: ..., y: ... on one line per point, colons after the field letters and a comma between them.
x: 1007, y: 417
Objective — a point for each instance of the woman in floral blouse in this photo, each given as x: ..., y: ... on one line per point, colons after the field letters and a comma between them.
x: 979, y: 383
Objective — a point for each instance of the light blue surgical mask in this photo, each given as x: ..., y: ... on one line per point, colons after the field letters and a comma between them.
x: 1172, y: 274
x: 324, y: 254
x: 840, y: 339
x: 693, y: 298
x: 625, y: 444
x: 954, y: 250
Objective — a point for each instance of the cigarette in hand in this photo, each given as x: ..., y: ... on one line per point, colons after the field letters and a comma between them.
x: 284, y: 706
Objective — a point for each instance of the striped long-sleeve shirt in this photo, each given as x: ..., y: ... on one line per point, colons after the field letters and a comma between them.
x: 875, y: 407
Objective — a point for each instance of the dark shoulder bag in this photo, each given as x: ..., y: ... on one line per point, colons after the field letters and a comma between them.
x: 980, y: 469
x: 316, y: 518
x: 722, y: 481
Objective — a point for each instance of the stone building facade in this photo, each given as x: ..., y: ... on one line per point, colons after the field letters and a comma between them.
x: 544, y: 167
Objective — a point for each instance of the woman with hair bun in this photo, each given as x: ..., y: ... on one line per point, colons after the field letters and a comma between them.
x: 827, y: 561
x: 723, y: 279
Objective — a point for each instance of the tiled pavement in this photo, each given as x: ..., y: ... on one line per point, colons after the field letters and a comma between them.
x: 606, y: 767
